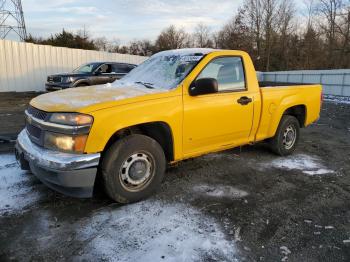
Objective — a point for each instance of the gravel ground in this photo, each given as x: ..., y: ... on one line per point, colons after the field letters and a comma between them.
x: 244, y: 204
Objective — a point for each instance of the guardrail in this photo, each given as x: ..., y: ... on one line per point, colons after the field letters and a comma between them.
x: 334, y: 82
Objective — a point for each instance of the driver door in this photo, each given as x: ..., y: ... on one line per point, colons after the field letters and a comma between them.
x: 220, y: 120
x: 104, y: 75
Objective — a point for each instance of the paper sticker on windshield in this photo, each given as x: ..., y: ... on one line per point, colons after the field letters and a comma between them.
x: 191, y: 58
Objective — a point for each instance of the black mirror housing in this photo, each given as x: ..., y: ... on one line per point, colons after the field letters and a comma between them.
x: 204, y: 86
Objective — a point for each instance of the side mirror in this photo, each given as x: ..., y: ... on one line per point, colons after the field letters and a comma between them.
x: 204, y: 86
x: 97, y: 72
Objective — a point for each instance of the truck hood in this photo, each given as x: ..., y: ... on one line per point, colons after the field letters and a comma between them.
x: 87, y: 99
x: 70, y: 74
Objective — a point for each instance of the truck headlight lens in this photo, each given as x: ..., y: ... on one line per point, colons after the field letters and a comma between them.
x: 71, y: 119
x: 67, y: 143
x: 67, y: 79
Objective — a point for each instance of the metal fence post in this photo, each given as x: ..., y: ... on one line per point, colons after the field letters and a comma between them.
x: 343, y: 85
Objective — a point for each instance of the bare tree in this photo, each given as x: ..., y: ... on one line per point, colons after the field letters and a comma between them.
x: 253, y: 19
x: 216, y: 39
x: 202, y: 36
x: 329, y: 12
x: 285, y: 15
x: 236, y: 35
x: 343, y: 28
x: 269, y: 21
x: 141, y: 47
x: 172, y: 38
x: 102, y: 43
x: 310, y: 11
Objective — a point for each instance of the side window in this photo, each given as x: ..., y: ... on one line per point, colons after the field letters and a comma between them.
x: 121, y: 69
x: 228, y: 71
x: 106, y: 69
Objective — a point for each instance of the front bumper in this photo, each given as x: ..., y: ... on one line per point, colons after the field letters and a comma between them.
x: 57, y: 86
x: 70, y: 174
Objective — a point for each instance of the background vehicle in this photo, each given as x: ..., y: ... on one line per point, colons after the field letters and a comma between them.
x: 176, y: 105
x: 97, y: 73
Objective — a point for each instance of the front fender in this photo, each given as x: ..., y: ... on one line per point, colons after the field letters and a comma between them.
x: 81, y: 81
x: 110, y: 120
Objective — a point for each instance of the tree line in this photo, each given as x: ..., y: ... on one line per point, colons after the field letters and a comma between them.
x: 275, y: 33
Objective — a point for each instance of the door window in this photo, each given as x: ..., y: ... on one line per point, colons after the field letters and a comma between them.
x: 121, y: 69
x: 228, y: 71
x: 106, y: 69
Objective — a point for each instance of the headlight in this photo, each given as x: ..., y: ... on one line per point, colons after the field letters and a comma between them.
x: 67, y: 79
x: 67, y: 143
x: 72, y: 135
x: 71, y: 119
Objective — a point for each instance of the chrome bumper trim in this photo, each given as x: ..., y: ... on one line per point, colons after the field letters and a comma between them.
x: 53, y: 159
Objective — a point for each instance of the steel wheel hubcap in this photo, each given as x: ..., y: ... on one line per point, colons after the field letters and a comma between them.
x: 136, y: 171
x: 289, y: 137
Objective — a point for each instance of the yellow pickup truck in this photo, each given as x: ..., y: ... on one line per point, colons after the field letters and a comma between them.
x: 178, y: 104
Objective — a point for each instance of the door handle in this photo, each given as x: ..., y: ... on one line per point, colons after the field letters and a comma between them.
x: 244, y: 100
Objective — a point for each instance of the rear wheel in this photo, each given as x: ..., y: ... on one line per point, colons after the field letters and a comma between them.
x: 287, y: 135
x: 133, y: 168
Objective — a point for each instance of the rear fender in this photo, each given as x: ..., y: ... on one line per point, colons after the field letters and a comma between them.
x: 285, y: 104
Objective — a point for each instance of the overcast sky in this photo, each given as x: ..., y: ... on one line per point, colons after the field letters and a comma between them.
x: 124, y: 20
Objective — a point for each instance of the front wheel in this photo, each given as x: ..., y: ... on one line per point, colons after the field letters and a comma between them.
x: 133, y: 168
x: 287, y: 135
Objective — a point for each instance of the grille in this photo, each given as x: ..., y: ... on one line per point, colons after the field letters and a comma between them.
x: 54, y: 79
x: 37, y: 113
x: 33, y: 131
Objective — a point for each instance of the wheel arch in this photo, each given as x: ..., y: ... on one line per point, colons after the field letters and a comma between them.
x: 299, y: 111
x: 159, y: 131
x: 81, y: 82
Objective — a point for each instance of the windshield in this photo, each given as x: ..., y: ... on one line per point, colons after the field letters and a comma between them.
x: 164, y: 70
x: 87, y: 68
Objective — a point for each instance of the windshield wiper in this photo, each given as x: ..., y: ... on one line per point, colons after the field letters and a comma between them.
x: 148, y: 85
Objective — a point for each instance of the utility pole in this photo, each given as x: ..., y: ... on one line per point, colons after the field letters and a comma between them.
x: 12, y: 19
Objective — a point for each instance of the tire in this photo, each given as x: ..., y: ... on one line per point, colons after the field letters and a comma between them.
x: 133, y: 168
x: 287, y: 136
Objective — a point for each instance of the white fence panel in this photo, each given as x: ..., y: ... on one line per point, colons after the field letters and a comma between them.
x: 334, y: 82
x: 25, y: 66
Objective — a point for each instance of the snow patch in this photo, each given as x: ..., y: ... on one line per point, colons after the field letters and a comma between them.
x: 309, y: 165
x: 15, y: 191
x: 337, y: 99
x: 155, y: 231
x: 220, y: 191
x: 320, y: 171
x: 91, y: 95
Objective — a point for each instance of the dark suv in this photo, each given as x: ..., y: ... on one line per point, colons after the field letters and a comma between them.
x: 97, y: 73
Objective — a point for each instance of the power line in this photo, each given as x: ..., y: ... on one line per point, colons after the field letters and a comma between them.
x: 12, y: 19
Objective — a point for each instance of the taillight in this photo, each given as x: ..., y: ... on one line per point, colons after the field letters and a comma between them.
x: 321, y: 99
